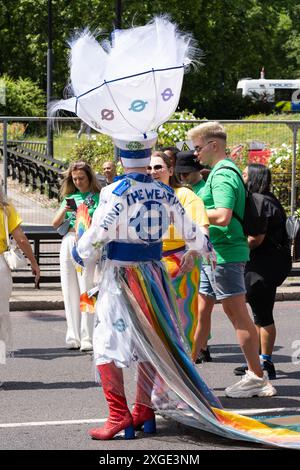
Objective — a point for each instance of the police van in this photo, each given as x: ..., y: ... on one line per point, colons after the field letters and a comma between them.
x: 284, y: 93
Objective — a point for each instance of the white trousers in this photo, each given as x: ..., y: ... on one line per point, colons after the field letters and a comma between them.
x: 5, y: 293
x: 79, y: 324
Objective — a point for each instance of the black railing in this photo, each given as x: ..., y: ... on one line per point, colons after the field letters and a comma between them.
x: 28, y: 163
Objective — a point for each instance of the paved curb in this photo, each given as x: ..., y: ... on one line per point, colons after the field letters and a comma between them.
x: 31, y: 305
x: 40, y: 304
x: 284, y: 296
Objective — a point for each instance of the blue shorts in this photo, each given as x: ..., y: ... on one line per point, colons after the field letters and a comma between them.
x: 229, y: 280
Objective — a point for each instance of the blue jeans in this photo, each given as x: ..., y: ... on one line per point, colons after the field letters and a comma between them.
x: 227, y: 281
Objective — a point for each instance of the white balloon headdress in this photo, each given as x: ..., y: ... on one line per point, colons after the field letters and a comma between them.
x: 128, y: 88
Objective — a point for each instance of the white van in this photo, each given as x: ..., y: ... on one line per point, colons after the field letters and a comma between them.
x: 284, y: 93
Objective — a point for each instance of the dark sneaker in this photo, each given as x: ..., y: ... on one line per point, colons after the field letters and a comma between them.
x: 251, y: 385
x: 268, y: 366
x: 241, y: 370
x: 204, y: 356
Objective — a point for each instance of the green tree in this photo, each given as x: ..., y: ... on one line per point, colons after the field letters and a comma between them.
x: 22, y: 98
x: 237, y: 37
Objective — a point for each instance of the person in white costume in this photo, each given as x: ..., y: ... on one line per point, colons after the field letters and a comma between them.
x: 131, y: 219
x: 126, y: 89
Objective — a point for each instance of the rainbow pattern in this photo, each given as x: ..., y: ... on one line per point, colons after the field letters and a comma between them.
x: 151, y: 299
x: 87, y: 304
x: 83, y: 222
x: 186, y: 288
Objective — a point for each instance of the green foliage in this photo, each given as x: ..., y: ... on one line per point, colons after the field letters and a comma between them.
x: 15, y: 131
x: 22, y: 98
x: 281, y: 159
x: 95, y: 151
x: 170, y: 133
x: 237, y: 37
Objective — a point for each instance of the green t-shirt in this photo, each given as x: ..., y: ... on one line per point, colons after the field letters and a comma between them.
x: 198, y: 187
x: 79, y: 199
x: 224, y: 188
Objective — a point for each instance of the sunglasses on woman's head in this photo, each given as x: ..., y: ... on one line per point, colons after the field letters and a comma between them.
x: 155, y: 167
x: 78, y: 166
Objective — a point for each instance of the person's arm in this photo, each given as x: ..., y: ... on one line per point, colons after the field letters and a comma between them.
x: 220, y: 216
x: 24, y: 245
x: 103, y: 226
x: 224, y: 194
x: 255, y: 241
x: 60, y: 216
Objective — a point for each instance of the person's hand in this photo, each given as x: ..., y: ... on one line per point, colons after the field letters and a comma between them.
x: 36, y: 272
x: 187, y: 261
x: 211, y: 258
x: 68, y: 209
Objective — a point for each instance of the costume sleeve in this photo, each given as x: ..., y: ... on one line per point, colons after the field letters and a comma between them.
x: 103, y: 227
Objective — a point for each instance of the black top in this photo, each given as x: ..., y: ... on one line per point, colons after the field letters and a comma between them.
x: 269, y: 259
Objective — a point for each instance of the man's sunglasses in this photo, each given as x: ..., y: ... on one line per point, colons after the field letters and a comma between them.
x: 199, y: 149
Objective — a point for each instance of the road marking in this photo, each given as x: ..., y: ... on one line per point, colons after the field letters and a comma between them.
x: 254, y: 411
x: 56, y: 423
x: 51, y: 423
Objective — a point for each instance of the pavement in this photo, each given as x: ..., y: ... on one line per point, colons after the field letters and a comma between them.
x: 49, y: 297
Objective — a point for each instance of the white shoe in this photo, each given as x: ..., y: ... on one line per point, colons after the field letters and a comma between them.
x: 86, y: 346
x: 73, y: 345
x: 251, y: 385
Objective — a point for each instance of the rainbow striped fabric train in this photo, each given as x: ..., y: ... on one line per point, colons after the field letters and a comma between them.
x: 151, y: 301
x: 186, y: 288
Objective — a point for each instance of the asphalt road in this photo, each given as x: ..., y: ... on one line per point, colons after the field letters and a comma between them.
x: 49, y: 398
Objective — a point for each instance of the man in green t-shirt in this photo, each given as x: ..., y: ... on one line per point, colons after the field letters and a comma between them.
x: 224, y: 195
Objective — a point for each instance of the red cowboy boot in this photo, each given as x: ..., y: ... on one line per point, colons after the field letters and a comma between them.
x: 119, y: 415
x: 142, y: 413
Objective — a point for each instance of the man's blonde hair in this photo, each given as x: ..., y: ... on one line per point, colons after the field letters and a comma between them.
x: 208, y: 130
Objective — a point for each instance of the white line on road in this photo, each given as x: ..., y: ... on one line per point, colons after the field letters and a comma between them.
x: 254, y: 411
x: 55, y: 423
x: 51, y: 423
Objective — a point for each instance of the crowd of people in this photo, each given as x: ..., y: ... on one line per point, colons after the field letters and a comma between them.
x: 171, y: 219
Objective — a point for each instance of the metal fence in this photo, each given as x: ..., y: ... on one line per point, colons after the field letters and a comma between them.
x: 22, y: 137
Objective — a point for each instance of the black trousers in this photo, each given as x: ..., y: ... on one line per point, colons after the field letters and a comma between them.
x: 261, y: 297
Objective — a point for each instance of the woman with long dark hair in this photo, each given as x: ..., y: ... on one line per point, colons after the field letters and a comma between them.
x: 269, y: 263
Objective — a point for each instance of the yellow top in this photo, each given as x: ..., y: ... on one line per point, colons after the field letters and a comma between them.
x: 14, y: 220
x: 194, y: 208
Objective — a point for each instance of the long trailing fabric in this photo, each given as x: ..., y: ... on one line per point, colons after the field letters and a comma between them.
x: 186, y: 287
x: 146, y: 329
x: 283, y: 432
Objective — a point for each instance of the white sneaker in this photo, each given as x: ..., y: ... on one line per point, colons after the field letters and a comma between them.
x: 86, y: 346
x: 251, y: 385
x: 73, y: 345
